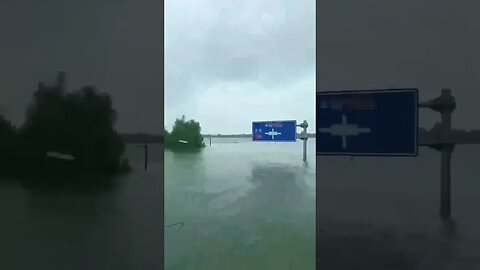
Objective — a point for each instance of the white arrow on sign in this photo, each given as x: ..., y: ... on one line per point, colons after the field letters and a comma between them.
x: 273, y: 133
x: 343, y: 130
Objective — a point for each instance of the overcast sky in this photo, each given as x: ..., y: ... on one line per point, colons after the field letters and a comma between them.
x: 230, y: 62
x: 429, y: 44
x: 114, y: 45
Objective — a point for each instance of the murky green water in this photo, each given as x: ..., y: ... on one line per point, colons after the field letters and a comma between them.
x: 118, y: 227
x: 250, y: 206
x: 242, y: 205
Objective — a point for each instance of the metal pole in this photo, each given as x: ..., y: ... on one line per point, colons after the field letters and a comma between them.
x: 446, y: 158
x: 445, y: 105
x: 145, y: 150
x: 304, y: 137
x: 305, y: 149
x: 146, y: 156
x: 446, y: 154
x: 445, y: 181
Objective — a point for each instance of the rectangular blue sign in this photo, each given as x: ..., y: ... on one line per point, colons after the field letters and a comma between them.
x: 367, y: 122
x: 275, y: 131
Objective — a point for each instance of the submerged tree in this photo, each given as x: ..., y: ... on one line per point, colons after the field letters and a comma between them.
x: 91, y: 120
x: 80, y: 124
x: 44, y: 126
x: 185, y: 134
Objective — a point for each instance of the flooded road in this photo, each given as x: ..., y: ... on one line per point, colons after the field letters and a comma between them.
x: 244, y: 205
x: 117, y: 227
x: 383, y: 213
x: 240, y: 205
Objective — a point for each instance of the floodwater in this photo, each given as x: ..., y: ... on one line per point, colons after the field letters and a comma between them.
x: 383, y: 213
x: 245, y: 205
x: 85, y: 228
x: 240, y: 205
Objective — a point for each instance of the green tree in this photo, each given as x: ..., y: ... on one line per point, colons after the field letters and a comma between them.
x: 80, y: 124
x: 90, y: 126
x: 188, y: 131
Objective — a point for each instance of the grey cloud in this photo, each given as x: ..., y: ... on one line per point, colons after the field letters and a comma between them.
x: 425, y: 44
x: 230, y: 48
x: 114, y: 45
x: 256, y: 46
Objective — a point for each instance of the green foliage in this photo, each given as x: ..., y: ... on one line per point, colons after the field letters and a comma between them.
x: 189, y: 131
x: 80, y: 124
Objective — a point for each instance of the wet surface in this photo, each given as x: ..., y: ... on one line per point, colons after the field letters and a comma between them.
x: 252, y: 210
x: 243, y: 208
x: 83, y: 228
x: 384, y: 213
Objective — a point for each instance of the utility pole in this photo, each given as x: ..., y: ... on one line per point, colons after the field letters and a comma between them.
x: 146, y: 156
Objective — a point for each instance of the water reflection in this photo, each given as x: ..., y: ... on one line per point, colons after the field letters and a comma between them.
x: 379, y: 213
x: 96, y: 223
x: 449, y: 228
x: 279, y: 194
x: 269, y: 224
x: 355, y: 245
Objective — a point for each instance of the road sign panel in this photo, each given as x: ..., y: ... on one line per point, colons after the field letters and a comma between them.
x: 275, y: 131
x: 367, y: 122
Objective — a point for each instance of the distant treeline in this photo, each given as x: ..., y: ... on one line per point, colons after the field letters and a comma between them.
x: 150, y: 138
x: 142, y: 138
x: 228, y: 136
x: 309, y: 135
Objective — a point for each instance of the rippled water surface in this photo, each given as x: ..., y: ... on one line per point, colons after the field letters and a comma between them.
x: 242, y: 205
x: 245, y: 205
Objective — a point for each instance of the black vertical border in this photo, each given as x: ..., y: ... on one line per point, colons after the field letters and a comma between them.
x: 317, y: 189
x: 162, y: 166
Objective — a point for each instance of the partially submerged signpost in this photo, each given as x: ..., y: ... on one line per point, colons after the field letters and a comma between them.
x: 385, y: 123
x: 304, y: 138
x: 280, y: 131
x: 445, y: 105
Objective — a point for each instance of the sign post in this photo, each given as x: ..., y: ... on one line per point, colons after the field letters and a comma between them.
x: 385, y: 123
x: 445, y: 105
x: 304, y: 138
x: 280, y: 131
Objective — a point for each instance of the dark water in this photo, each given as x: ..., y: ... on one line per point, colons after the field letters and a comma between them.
x: 78, y: 228
x: 384, y: 213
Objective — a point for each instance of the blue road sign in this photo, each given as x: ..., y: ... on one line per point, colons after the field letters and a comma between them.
x: 367, y: 122
x: 275, y: 131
